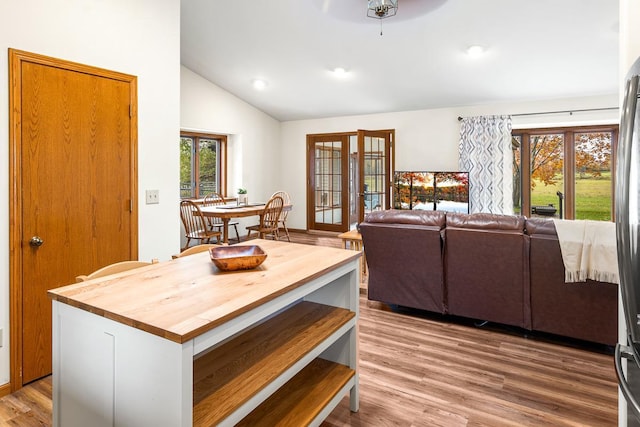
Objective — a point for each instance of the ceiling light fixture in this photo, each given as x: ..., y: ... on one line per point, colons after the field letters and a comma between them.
x: 259, y: 84
x: 475, y: 51
x: 339, y: 72
x: 381, y: 9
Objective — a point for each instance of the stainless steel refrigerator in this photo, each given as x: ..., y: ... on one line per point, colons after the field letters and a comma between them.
x: 627, y: 208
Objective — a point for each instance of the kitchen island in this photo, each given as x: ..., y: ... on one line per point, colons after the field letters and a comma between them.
x: 181, y: 343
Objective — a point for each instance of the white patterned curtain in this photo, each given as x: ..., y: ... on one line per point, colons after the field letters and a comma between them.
x: 485, y: 152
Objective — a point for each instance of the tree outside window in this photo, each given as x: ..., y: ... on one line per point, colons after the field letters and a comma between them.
x: 568, y: 166
x: 201, y: 165
x: 593, y: 176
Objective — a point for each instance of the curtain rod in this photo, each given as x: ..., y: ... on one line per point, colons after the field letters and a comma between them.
x: 559, y: 112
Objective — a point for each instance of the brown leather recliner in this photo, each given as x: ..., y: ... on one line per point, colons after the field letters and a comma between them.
x: 486, y: 267
x: 585, y: 310
x: 404, y: 257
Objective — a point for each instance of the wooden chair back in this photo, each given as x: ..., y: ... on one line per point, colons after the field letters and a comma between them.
x: 114, y: 268
x: 285, y: 213
x: 286, y: 200
x: 192, y: 218
x: 271, y: 217
x: 195, y: 225
x: 195, y: 250
x: 213, y: 199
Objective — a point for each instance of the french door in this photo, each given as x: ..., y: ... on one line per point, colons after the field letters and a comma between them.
x: 376, y: 171
x: 349, y: 175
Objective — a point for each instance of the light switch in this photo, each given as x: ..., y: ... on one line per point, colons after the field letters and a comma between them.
x: 152, y: 197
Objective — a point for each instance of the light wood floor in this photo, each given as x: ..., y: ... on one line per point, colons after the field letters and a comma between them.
x: 421, y: 370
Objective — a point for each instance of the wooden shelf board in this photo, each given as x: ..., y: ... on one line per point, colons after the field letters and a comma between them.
x: 302, y: 398
x: 228, y: 376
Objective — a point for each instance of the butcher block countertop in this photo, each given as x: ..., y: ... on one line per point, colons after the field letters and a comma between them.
x: 183, y: 298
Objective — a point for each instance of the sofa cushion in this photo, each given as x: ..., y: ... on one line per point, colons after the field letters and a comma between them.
x: 486, y: 221
x: 404, y: 255
x: 417, y: 217
x: 486, y: 268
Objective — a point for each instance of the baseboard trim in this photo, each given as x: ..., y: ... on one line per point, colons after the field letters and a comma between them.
x: 322, y: 233
x: 297, y: 230
x: 5, y: 389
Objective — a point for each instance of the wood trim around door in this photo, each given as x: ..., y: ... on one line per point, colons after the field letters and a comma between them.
x: 16, y: 59
x: 311, y: 140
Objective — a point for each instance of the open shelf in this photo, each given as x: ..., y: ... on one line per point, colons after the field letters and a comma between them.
x: 231, y: 374
x: 303, y: 397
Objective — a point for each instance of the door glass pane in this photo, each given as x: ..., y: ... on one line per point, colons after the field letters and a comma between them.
x: 374, y: 173
x: 208, y: 161
x: 186, y: 168
x: 547, y: 178
x: 328, y: 181
x: 593, y: 196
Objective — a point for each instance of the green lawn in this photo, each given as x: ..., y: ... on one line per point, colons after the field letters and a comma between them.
x: 593, y: 197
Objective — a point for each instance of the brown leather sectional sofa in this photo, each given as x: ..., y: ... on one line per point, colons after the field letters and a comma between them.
x: 501, y: 268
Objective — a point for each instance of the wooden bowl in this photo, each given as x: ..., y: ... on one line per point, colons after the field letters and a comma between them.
x: 232, y: 258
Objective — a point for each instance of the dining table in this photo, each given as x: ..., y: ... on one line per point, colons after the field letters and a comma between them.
x: 231, y: 210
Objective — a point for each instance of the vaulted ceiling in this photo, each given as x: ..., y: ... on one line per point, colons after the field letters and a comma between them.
x: 534, y: 50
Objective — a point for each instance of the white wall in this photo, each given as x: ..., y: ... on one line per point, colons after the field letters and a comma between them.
x: 426, y: 139
x: 138, y: 37
x: 255, y: 157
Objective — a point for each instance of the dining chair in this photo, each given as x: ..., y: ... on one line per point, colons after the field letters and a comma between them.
x: 114, y: 268
x: 269, y: 220
x: 282, y: 220
x: 216, y: 199
x: 195, y: 250
x: 195, y: 225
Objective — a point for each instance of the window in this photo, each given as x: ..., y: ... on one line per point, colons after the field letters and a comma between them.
x: 202, y: 165
x: 564, y: 173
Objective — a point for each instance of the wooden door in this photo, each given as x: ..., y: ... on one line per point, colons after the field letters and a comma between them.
x: 328, y: 186
x: 375, y: 158
x: 74, y: 190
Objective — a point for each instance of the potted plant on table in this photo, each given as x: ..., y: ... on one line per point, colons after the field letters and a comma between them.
x: 243, y: 198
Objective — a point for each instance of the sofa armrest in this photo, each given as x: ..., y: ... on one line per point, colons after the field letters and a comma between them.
x: 540, y: 226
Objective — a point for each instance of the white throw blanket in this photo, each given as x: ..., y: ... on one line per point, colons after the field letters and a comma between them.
x: 589, y: 250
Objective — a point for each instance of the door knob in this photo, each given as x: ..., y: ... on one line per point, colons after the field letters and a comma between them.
x: 36, y: 241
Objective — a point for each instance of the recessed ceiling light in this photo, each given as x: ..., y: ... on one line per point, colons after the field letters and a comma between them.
x: 340, y: 72
x: 475, y: 51
x: 259, y: 84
